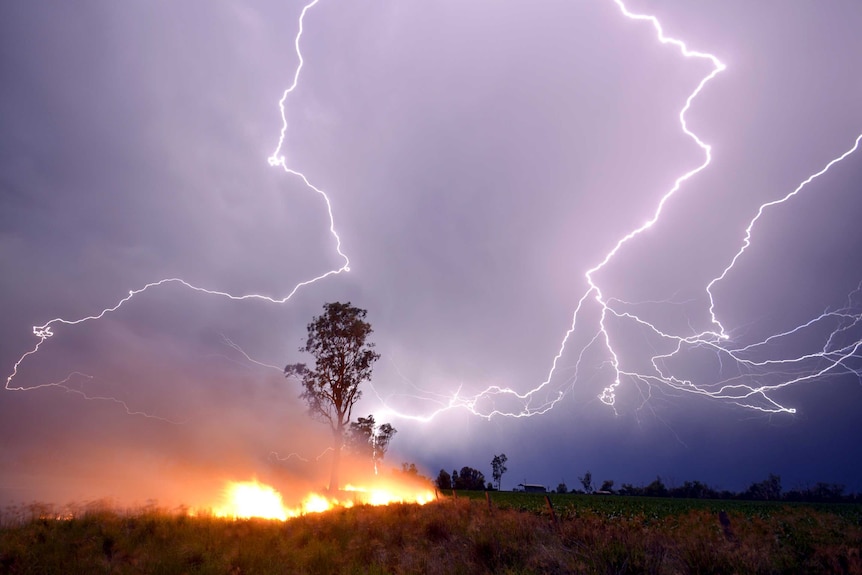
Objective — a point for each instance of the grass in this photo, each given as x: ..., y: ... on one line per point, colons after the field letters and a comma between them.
x: 460, y: 535
x: 653, y: 507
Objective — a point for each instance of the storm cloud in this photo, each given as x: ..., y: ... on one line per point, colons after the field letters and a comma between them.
x: 479, y: 158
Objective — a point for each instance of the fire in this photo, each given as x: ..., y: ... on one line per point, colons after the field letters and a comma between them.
x: 252, y: 499
x: 246, y: 499
x: 378, y: 496
x: 314, y: 503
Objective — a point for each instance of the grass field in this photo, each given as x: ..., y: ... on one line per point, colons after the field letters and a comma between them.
x: 516, y: 534
x: 617, y: 506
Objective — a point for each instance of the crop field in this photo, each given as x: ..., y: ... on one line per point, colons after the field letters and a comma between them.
x: 461, y: 534
x: 652, y: 508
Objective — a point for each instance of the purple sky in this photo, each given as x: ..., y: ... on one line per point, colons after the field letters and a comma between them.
x: 480, y: 157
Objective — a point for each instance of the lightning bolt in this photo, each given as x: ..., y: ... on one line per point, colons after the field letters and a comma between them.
x: 228, y: 342
x: 273, y: 455
x: 65, y: 385
x: 834, y: 358
x: 45, y: 331
x: 751, y: 388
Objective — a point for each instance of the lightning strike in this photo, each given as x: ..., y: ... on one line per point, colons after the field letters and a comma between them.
x: 273, y: 455
x: 750, y: 388
x: 832, y: 359
x: 45, y: 331
x: 228, y: 342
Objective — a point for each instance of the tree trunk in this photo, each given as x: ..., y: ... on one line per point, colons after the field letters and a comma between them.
x: 338, y: 439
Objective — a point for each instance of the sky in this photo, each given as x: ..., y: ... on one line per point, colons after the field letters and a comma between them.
x: 473, y: 161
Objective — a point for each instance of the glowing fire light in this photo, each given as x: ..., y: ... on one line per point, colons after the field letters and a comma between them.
x: 247, y: 499
x: 252, y: 499
x: 315, y: 503
x: 386, y: 496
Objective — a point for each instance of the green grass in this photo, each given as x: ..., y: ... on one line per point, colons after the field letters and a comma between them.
x: 615, y: 506
x: 595, y: 535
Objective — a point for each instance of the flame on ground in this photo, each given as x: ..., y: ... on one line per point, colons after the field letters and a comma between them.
x: 247, y: 499
x: 375, y: 496
x: 252, y: 499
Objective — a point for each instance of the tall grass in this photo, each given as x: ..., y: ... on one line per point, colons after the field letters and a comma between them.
x: 450, y: 536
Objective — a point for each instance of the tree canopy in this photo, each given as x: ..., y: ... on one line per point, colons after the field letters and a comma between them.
x: 498, y: 468
x: 468, y: 478
x: 343, y: 359
x: 367, y: 439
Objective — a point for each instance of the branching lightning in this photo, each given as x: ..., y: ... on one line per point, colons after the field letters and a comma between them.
x: 46, y: 331
x: 228, y: 342
x: 758, y: 369
x: 66, y: 384
x: 841, y: 345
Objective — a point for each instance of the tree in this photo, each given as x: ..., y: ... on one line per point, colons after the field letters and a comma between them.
x: 469, y: 478
x: 694, y: 490
x: 342, y: 360
x: 498, y: 467
x: 769, y: 489
x: 444, y: 480
x: 655, y: 489
x: 629, y: 489
x: 607, y: 485
x: 562, y: 488
x: 367, y: 439
x: 587, y: 482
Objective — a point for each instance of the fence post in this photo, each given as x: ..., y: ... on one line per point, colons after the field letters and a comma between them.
x: 551, y: 508
x: 488, y: 499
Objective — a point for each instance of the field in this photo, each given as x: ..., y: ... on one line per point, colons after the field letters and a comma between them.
x: 616, y: 506
x: 516, y: 533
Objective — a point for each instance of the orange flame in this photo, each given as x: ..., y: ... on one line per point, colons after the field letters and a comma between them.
x: 380, y: 496
x: 246, y: 499
x: 252, y: 499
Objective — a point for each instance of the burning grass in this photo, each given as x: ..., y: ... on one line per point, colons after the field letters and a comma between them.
x: 247, y: 499
x: 449, y: 536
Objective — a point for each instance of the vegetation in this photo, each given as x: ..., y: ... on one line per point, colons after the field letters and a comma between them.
x: 468, y: 478
x: 590, y: 534
x: 443, y: 481
x: 343, y: 359
x: 587, y: 482
x: 367, y: 439
x: 498, y: 468
x: 574, y: 504
x: 769, y: 489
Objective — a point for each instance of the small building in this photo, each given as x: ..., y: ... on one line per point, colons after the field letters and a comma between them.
x: 533, y: 488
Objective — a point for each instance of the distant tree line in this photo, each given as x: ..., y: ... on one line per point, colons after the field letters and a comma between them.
x: 473, y: 479
x: 468, y: 478
x: 769, y: 489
